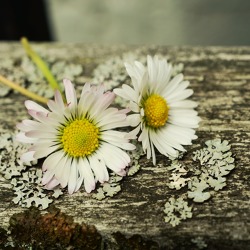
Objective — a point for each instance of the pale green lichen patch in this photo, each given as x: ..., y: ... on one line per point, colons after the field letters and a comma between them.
x: 135, y: 156
x: 197, y: 187
x: 178, y: 177
x: 177, y: 210
x: 215, y: 161
x: 25, y: 178
x: 26, y: 74
x: 110, y: 188
x: 199, y: 242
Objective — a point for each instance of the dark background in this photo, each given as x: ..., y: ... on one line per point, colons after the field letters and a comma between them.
x: 160, y: 22
x: 24, y: 18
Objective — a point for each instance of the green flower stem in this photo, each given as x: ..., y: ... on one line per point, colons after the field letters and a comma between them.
x: 23, y: 90
x: 40, y: 64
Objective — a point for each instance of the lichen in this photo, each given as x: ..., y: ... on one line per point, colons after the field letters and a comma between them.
x: 198, y: 187
x: 215, y: 161
x: 176, y: 179
x: 200, y: 243
x: 135, y: 156
x: 26, y: 74
x: 110, y: 188
x: 177, y: 210
x: 25, y: 178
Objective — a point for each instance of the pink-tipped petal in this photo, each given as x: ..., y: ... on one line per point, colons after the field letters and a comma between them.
x: 70, y: 93
x: 34, y: 106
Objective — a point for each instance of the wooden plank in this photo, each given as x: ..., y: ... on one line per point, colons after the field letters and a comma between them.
x: 220, y: 79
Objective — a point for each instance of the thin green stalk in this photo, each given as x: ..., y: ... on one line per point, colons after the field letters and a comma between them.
x: 41, y: 65
x: 23, y: 90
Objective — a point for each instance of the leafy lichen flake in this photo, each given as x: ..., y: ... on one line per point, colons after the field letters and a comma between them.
x: 216, y: 162
x: 24, y: 177
x: 198, y: 187
x: 177, y: 210
x: 110, y: 188
x: 176, y: 179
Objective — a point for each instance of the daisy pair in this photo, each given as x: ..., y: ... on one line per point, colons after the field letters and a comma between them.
x: 80, y: 140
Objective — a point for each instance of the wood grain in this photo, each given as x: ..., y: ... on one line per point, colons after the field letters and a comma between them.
x: 220, y: 78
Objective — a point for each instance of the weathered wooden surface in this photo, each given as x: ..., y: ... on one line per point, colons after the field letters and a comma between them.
x: 220, y: 78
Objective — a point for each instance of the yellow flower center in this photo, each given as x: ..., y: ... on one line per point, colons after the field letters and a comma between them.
x: 80, y: 138
x: 155, y: 111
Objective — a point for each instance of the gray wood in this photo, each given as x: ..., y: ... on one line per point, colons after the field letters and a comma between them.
x: 220, y: 78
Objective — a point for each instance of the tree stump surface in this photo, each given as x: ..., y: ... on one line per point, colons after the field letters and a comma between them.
x: 220, y: 78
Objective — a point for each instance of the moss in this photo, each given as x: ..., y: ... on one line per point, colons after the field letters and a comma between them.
x: 3, y: 238
x: 54, y: 230
x: 135, y: 242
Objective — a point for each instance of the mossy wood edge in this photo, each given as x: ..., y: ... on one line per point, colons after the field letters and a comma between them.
x: 220, y: 78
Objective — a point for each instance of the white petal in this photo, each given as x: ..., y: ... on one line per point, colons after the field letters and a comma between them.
x: 70, y: 93
x: 180, y: 96
x: 162, y: 146
x: 183, y: 104
x: 59, y: 100
x: 52, y: 160
x: 114, y: 158
x: 40, y: 134
x: 152, y: 70
x: 133, y: 134
x: 52, y: 184
x: 117, y: 139
x: 54, y: 107
x: 86, y: 88
x: 99, y: 169
x: 85, y: 171
x: 144, y: 138
x: 126, y: 92
x: 101, y: 104
x: 45, y: 152
x: 66, y: 172
x: 134, y: 107
x: 30, y: 105
x: 27, y: 125
x: 153, y: 153
x: 183, y: 113
x: 73, y: 175
x: 21, y: 137
x: 134, y: 120
x: 166, y: 138
x: 172, y: 85
x: 189, y: 122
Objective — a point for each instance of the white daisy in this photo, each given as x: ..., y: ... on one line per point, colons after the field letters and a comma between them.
x: 77, y: 139
x: 162, y: 114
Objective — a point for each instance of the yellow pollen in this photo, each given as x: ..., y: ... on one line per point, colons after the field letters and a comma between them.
x: 156, y: 111
x: 80, y: 138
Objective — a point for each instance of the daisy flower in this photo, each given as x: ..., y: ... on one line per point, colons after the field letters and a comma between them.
x: 78, y: 139
x: 162, y: 116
